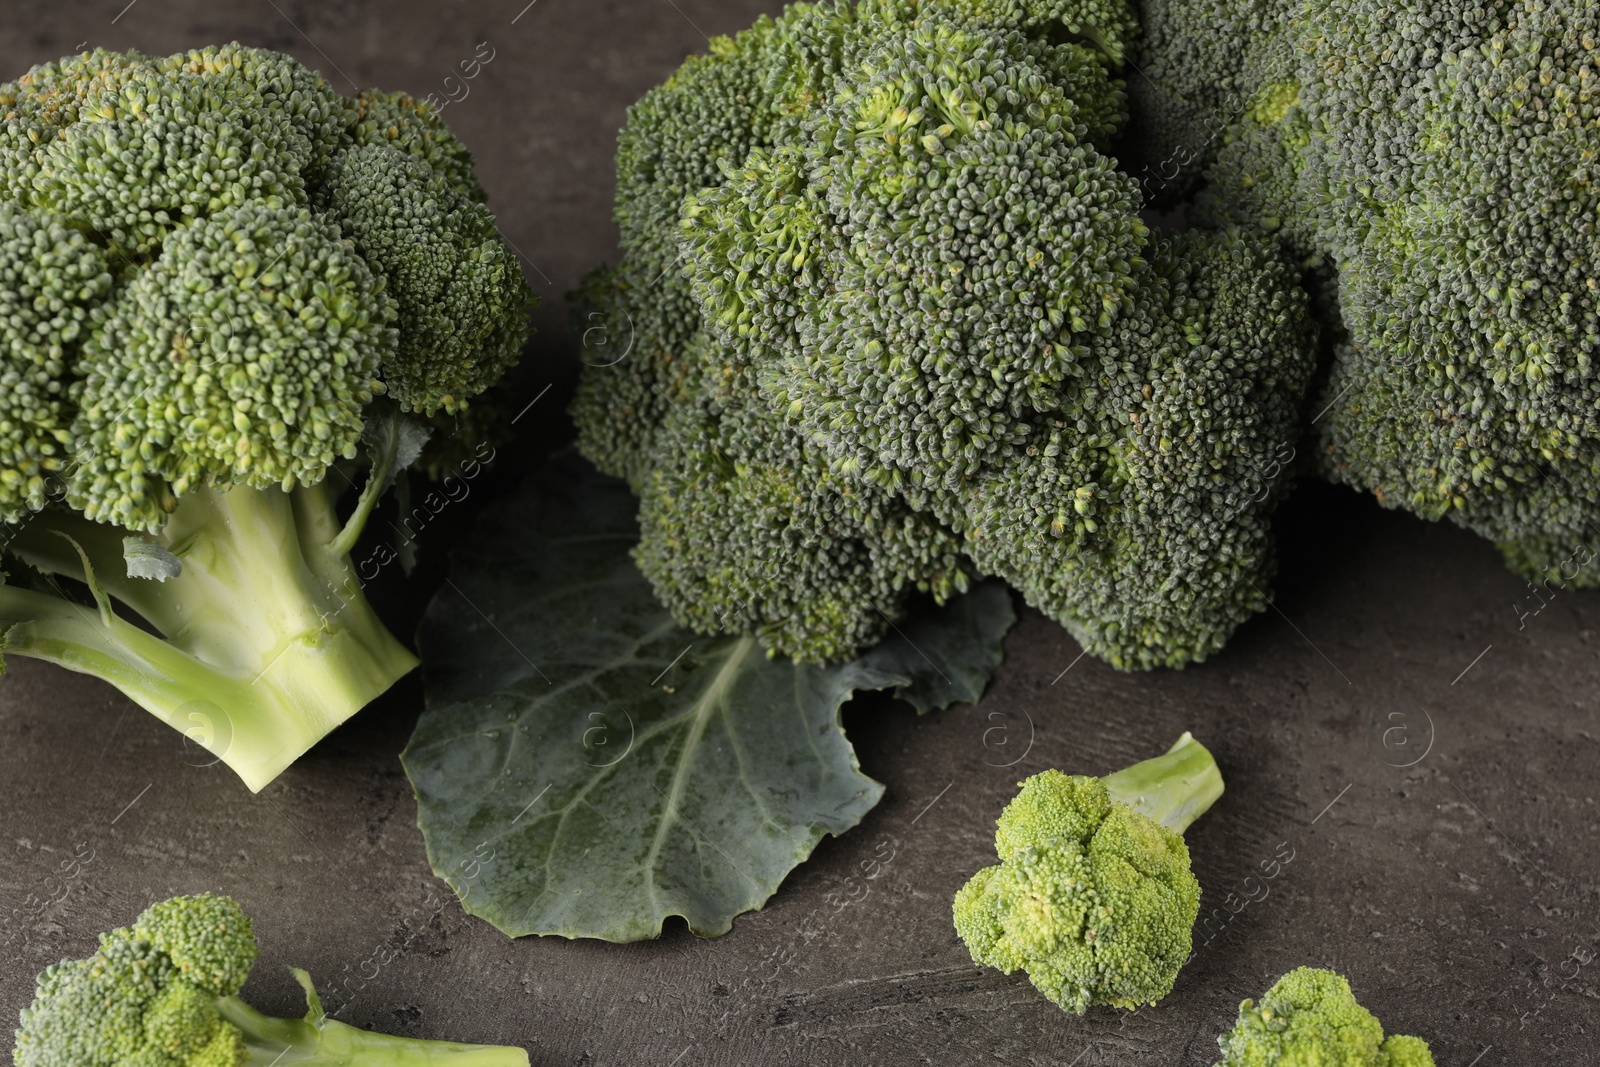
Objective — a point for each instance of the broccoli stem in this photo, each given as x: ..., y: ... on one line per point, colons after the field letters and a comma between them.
x: 1174, y: 789
x: 325, y: 1042
x: 266, y: 640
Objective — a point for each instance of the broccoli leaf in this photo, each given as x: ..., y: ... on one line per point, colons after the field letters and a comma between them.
x: 948, y: 654
x: 586, y: 767
x: 394, y: 440
x: 150, y: 559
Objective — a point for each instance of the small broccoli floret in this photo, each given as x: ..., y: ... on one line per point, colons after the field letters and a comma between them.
x: 325, y: 118
x: 209, y: 940
x: 1093, y: 895
x: 212, y: 266
x: 37, y: 109
x: 163, y: 993
x: 1310, y: 1016
x: 395, y: 120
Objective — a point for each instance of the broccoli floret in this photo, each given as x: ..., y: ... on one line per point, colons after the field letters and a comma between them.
x: 1469, y: 256
x: 874, y: 262
x: 164, y: 993
x: 637, y: 319
x: 755, y: 91
x: 745, y: 529
x: 457, y: 285
x: 1310, y: 1017
x: 1093, y: 895
x: 1439, y: 160
x: 1139, y: 513
x: 413, y: 127
x: 215, y: 274
x: 924, y: 272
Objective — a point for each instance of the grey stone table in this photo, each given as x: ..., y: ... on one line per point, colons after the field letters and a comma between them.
x: 1420, y: 769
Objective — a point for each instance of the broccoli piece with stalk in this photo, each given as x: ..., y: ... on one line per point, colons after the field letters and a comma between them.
x: 1311, y: 1017
x: 164, y: 993
x: 219, y: 278
x: 1093, y: 895
x: 905, y: 250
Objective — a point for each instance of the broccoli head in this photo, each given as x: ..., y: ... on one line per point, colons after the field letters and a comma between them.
x: 1311, y: 1017
x: 904, y: 244
x: 1093, y: 895
x: 219, y: 279
x: 164, y: 993
x: 1437, y: 161
x: 916, y: 271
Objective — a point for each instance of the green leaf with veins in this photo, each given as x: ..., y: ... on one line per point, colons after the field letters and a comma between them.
x: 586, y: 767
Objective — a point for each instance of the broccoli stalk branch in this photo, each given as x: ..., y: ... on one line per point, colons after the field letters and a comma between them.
x: 324, y: 1042
x: 1174, y: 789
x: 266, y: 640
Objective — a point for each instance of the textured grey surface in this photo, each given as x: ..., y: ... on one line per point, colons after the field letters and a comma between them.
x: 1459, y: 894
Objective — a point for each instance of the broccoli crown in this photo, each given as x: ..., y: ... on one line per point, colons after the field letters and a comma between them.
x: 149, y: 995
x: 1311, y: 1017
x: 1469, y: 268
x: 1445, y: 174
x: 225, y: 262
x: 1093, y: 899
x: 889, y: 230
x: 754, y: 91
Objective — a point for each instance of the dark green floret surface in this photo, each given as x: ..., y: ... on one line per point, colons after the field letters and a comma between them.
x: 1435, y: 165
x: 887, y: 241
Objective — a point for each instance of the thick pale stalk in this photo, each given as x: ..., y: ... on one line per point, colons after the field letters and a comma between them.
x: 1174, y: 789
x: 269, y: 642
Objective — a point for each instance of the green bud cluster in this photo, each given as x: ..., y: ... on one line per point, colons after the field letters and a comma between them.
x: 211, y: 262
x: 888, y: 318
x: 1436, y: 164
